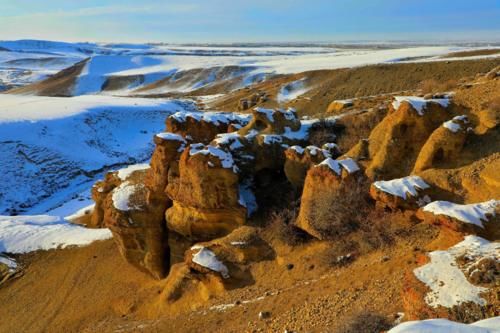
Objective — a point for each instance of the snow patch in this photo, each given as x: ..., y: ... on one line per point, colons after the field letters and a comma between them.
x: 206, y: 258
x: 292, y: 90
x: 402, y: 186
x: 337, y: 165
x: 490, y: 325
x: 472, y: 213
x: 80, y: 213
x: 224, y: 157
x: 448, y: 284
x: 247, y: 197
x: 9, y: 262
x: 122, y: 196
x: 454, y: 125
x: 124, y: 173
x: 21, y: 234
x: 418, y: 103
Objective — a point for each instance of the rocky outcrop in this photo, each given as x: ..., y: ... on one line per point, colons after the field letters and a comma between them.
x: 476, y: 182
x: 299, y: 160
x: 228, y: 256
x: 206, y: 195
x: 322, y: 186
x: 444, y: 145
x: 138, y: 227
x: 409, y: 192
x: 394, y: 144
x: 479, y: 218
x: 456, y: 283
x: 202, y: 127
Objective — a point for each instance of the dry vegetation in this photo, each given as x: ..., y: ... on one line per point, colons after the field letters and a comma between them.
x: 434, y: 86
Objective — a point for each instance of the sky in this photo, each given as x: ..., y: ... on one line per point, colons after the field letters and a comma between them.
x: 225, y: 21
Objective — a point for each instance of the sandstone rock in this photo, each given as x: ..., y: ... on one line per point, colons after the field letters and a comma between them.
x: 206, y: 197
x: 444, y: 145
x: 268, y: 121
x: 168, y: 149
x: 100, y: 192
x: 480, y: 218
x: 138, y: 228
x: 403, y: 193
x: 476, y: 182
x: 228, y: 256
x: 395, y: 142
x: 299, y: 160
x: 339, y: 105
x: 441, y: 287
x: 322, y: 185
x: 202, y: 127
x: 186, y: 290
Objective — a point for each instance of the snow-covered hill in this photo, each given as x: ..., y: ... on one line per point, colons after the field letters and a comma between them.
x: 53, y: 148
x: 123, y: 69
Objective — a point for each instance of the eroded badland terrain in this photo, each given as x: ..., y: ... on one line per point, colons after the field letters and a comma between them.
x: 341, y: 200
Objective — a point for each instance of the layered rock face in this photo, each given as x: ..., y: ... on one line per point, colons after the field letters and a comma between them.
x: 137, y: 224
x: 198, y: 184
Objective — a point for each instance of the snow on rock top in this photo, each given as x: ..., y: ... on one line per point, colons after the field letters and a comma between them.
x: 122, y: 196
x: 124, y: 173
x: 402, y: 186
x: 170, y: 136
x: 454, y: 124
x: 289, y: 114
x: 337, y: 165
x: 215, y: 118
x: 490, y: 325
x: 472, y: 213
x: 418, y: 103
x: 206, y: 258
x: 21, y: 234
x: 225, y: 158
x: 447, y: 282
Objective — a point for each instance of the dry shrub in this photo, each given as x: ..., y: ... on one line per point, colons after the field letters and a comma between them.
x: 340, y: 212
x: 366, y: 322
x: 434, y: 86
x: 282, y: 223
x: 323, y: 132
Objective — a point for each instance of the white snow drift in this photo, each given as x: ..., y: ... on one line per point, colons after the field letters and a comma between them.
x: 448, y: 284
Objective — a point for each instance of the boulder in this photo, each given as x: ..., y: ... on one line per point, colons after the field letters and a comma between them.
x: 409, y: 192
x: 479, y: 218
x: 322, y: 186
x: 444, y: 145
x: 394, y: 144
x: 299, y: 160
x: 229, y: 255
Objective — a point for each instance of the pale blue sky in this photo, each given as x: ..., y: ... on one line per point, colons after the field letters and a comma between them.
x: 249, y: 20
